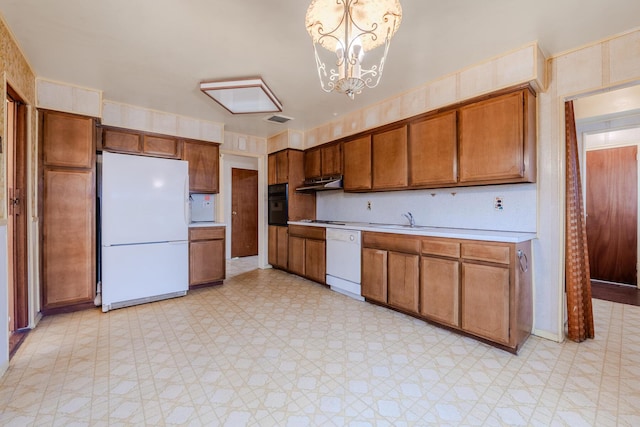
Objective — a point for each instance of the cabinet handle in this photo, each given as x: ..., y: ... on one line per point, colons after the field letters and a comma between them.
x: 524, y: 267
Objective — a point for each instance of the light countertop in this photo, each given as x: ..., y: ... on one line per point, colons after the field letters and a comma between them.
x: 207, y: 224
x: 420, y: 230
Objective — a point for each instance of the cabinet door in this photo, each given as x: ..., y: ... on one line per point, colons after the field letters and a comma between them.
x: 160, y: 146
x: 331, y: 160
x: 433, y: 151
x: 121, y: 141
x: 357, y: 164
x: 271, y: 170
x: 273, y: 245
x: 390, y: 160
x: 296, y: 255
x: 67, y: 140
x: 203, y: 166
x: 485, y: 301
x: 440, y: 290
x: 374, y: 275
x: 403, y: 287
x: 312, y: 163
x: 282, y: 167
x: 68, y: 252
x: 492, y: 140
x: 206, y: 261
x: 315, y: 260
x: 282, y: 247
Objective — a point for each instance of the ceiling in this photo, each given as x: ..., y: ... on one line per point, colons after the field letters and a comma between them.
x: 155, y: 53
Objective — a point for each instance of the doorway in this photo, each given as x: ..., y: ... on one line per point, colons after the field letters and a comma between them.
x: 612, y: 214
x: 244, y: 212
x: 16, y: 124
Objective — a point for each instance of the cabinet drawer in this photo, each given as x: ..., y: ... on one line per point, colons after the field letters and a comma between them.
x: 441, y: 247
x: 391, y: 242
x: 206, y: 233
x: 486, y: 252
x: 317, y: 233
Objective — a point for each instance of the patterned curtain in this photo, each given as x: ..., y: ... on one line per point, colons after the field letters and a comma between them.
x: 577, y: 278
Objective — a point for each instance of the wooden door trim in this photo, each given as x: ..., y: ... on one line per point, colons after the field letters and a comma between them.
x: 20, y: 233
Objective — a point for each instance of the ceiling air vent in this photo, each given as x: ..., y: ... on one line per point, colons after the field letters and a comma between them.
x: 278, y: 119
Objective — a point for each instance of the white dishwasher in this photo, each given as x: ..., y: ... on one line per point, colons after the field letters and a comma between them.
x: 343, y: 261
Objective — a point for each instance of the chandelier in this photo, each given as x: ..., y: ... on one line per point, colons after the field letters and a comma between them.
x: 347, y: 31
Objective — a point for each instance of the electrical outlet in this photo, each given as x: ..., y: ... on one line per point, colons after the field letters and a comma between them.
x: 498, y: 204
x: 368, y: 205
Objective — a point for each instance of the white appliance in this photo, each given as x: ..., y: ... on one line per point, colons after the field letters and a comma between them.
x: 343, y: 261
x: 202, y: 208
x: 145, y: 215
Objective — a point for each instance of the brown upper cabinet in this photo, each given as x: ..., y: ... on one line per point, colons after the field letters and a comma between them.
x: 497, y: 140
x: 433, y: 151
x: 357, y: 164
x: 203, y: 166
x: 129, y: 141
x: 279, y: 167
x: 490, y: 140
x: 322, y: 161
x: 389, y: 159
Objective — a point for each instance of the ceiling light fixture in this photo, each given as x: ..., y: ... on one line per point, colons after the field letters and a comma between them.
x: 348, y: 29
x: 242, y: 96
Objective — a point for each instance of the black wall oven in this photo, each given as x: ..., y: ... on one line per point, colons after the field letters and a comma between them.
x: 278, y: 204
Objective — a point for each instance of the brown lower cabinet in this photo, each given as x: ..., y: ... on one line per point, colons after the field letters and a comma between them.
x: 279, y: 246
x: 206, y: 256
x: 478, y: 287
x: 307, y: 252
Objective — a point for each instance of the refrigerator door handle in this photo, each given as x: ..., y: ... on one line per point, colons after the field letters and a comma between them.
x: 187, y: 205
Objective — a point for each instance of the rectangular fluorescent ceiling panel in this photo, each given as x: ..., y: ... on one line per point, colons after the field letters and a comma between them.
x: 242, y: 96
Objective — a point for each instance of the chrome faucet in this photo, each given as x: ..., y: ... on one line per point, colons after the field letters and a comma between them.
x: 412, y: 222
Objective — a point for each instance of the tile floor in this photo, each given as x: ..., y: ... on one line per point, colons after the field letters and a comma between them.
x: 270, y: 349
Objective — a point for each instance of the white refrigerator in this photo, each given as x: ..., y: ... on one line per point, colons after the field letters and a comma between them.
x: 144, y: 231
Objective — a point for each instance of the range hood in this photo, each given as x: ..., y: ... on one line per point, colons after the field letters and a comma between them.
x: 321, y: 184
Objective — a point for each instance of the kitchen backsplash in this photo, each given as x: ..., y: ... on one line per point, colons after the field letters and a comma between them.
x: 497, y: 207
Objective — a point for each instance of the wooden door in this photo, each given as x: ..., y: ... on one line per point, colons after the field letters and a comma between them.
x: 485, y: 301
x: 244, y: 212
x: 440, y: 290
x: 271, y: 170
x: 433, y: 151
x: 612, y: 214
x: 374, y: 274
x: 203, y: 166
x: 389, y: 159
x: 16, y: 125
x: 357, y: 164
x: 403, y: 286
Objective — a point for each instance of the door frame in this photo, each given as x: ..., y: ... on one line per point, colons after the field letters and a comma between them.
x: 587, y: 145
x: 19, y: 238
